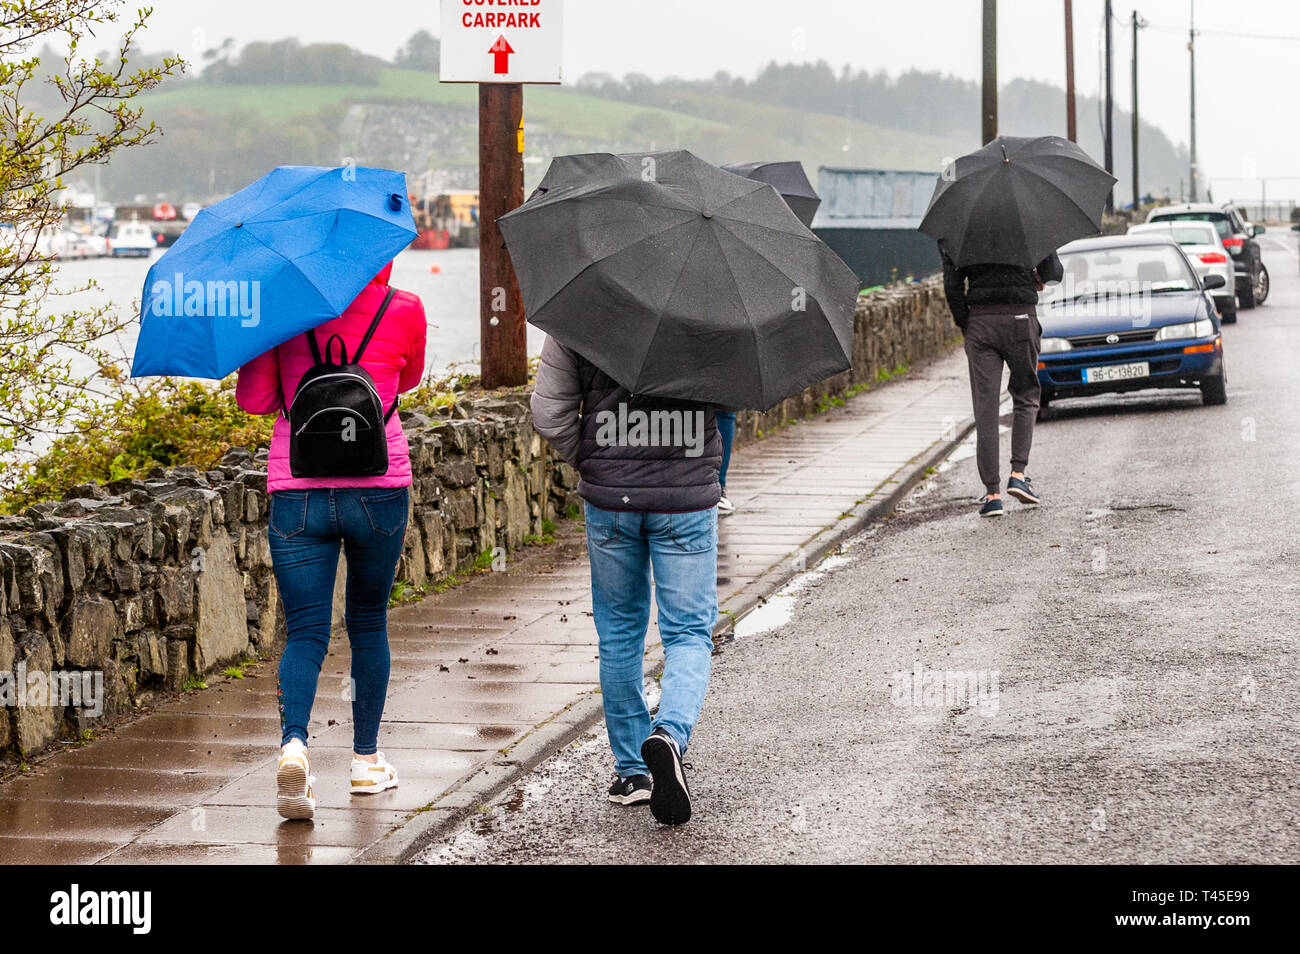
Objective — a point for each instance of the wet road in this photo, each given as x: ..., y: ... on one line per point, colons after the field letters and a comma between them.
x: 1110, y: 678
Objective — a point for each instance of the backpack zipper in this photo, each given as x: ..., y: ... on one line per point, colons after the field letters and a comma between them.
x: 325, y: 410
x: 344, y: 374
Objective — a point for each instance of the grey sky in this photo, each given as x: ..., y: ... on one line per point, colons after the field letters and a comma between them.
x: 1247, y: 126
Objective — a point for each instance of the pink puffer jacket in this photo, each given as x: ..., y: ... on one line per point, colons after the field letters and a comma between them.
x: 394, y: 358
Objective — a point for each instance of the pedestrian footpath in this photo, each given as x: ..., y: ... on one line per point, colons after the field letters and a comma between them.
x: 488, y: 678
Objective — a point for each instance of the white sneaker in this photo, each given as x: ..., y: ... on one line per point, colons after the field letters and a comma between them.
x: 725, y: 507
x: 293, y: 782
x: 371, y: 778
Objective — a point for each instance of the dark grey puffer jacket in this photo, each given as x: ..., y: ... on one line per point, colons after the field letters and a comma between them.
x: 633, y: 452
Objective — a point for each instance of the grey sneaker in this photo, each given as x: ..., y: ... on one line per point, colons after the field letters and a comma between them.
x: 992, y: 507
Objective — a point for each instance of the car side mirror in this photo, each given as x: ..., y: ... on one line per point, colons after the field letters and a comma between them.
x: 1257, y: 230
x: 1213, y: 281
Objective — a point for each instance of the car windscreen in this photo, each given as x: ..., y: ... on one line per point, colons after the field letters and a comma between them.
x: 1184, y: 233
x: 1219, y: 220
x: 1125, y: 270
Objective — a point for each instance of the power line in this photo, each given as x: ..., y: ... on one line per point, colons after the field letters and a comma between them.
x: 1226, y: 34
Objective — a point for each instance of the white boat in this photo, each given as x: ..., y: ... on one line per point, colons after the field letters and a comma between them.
x: 130, y: 239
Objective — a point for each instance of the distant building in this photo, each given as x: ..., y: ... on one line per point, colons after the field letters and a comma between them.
x: 869, y: 217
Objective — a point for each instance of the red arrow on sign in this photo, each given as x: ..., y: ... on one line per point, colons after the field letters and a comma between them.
x: 501, y: 49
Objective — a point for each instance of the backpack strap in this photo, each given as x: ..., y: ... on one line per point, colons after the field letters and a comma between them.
x: 315, y: 348
x: 370, y: 332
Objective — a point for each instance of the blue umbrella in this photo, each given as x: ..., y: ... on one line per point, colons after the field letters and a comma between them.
x: 283, y: 255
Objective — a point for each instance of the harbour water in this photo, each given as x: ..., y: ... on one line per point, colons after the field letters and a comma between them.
x: 446, y: 281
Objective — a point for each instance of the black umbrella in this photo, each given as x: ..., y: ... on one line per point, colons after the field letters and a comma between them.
x: 681, y: 280
x: 787, y: 178
x: 1016, y: 201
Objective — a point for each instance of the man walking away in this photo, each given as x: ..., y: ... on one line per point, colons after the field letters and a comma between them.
x: 649, y: 469
x: 995, y: 307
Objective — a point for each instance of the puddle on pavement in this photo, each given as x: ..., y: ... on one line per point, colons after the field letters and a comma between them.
x: 778, y: 609
x: 472, y: 841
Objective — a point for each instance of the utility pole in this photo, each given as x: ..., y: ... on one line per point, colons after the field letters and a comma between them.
x: 1110, y: 111
x: 502, y: 331
x: 989, y: 90
x: 1071, y: 127
x: 1193, y: 175
x: 1138, y: 23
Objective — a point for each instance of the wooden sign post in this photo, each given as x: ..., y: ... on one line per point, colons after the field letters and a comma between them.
x: 501, y: 46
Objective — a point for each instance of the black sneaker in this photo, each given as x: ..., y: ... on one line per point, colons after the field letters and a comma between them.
x: 1021, y: 490
x: 670, y: 800
x: 992, y: 507
x: 632, y: 790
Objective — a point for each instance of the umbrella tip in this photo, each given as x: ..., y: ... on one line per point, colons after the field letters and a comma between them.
x: 1005, y: 157
x: 395, y: 202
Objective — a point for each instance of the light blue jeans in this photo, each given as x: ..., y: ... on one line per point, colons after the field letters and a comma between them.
x: 682, y: 549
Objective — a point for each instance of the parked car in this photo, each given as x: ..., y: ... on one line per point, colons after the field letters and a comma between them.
x: 1131, y: 314
x: 1200, y: 240
x: 131, y: 238
x: 1238, y: 237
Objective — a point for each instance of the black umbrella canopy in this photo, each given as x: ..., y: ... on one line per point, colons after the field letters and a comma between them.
x: 680, y: 279
x: 788, y: 179
x: 1016, y: 201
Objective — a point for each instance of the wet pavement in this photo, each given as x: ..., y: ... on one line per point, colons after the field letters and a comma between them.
x: 1134, y: 638
x: 488, y: 679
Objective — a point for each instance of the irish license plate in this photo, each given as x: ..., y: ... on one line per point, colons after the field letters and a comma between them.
x: 1116, y: 372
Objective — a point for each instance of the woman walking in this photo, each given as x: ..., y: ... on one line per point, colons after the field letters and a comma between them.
x: 382, y: 333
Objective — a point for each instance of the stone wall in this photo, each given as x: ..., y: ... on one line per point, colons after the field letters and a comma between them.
x: 153, y: 582
x: 901, y: 325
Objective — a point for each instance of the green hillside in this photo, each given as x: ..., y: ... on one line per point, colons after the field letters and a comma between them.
x: 718, y: 128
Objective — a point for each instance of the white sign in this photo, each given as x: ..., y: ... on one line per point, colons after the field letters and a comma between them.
x: 502, y: 41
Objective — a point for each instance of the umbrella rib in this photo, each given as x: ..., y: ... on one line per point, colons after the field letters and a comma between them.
x: 590, y: 265
x: 753, y: 329
x: 758, y: 187
x: 1044, y: 178
x: 284, y: 258
x: 659, y: 318
x: 759, y: 253
x: 323, y: 173
x: 784, y: 274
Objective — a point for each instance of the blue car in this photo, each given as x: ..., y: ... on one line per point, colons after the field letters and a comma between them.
x: 1129, y: 315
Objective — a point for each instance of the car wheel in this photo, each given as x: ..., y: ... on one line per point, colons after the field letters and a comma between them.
x: 1228, y: 315
x: 1214, y: 391
x: 1246, y: 294
x: 1044, y: 405
x: 1261, y: 285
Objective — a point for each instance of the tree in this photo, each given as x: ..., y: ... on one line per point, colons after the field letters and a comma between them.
x: 56, y: 367
x: 422, y: 51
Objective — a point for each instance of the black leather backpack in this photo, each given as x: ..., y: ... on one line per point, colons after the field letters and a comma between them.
x: 336, y: 419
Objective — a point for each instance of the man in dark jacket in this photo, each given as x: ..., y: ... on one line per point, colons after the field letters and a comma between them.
x: 995, y: 307
x: 649, y: 476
